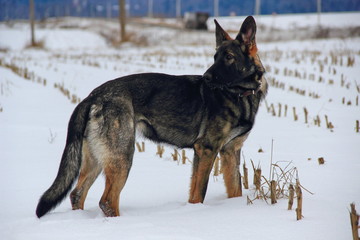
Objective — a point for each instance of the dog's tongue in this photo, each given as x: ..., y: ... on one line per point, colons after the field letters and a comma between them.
x: 247, y: 93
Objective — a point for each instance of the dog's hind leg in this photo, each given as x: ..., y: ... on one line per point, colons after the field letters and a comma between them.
x: 204, y: 159
x: 116, y: 144
x: 90, y: 170
x: 116, y: 173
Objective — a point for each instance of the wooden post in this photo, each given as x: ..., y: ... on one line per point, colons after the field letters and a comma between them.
x: 357, y: 127
x: 299, y: 201
x: 32, y: 22
x: 354, y: 219
x: 318, y: 6
x: 273, y: 191
x: 286, y: 107
x: 291, y: 197
x: 122, y: 19
x: 178, y: 9
x: 246, y: 179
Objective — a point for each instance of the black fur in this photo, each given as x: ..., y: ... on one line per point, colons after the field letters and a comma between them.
x: 70, y: 161
x: 211, y: 113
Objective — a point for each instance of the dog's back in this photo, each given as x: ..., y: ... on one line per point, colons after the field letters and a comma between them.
x: 167, y: 108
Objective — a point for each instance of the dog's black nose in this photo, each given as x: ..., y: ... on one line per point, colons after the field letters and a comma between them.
x: 207, y: 76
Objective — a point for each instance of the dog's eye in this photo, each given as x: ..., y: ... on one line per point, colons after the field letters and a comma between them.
x: 229, y: 57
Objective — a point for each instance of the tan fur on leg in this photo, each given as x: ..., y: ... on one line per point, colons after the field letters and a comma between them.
x: 203, y: 163
x: 230, y: 161
x: 116, y: 173
x: 90, y: 170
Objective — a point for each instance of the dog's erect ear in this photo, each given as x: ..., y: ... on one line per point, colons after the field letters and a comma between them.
x: 247, y: 31
x: 221, y: 35
x: 247, y: 35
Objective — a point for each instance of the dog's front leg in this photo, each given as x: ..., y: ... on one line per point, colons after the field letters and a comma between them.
x: 230, y: 161
x: 203, y: 162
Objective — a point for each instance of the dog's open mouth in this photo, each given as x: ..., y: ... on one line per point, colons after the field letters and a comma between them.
x: 244, y: 91
x: 248, y: 92
x: 246, y: 86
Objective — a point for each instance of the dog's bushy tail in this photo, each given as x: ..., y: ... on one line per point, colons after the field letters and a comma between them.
x: 70, y: 162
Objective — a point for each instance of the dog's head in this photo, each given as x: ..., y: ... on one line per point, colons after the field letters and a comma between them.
x: 237, y: 67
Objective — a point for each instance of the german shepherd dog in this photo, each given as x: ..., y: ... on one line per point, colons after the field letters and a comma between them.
x: 212, y: 114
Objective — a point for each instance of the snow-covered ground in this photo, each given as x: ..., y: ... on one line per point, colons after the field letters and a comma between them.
x: 319, y: 75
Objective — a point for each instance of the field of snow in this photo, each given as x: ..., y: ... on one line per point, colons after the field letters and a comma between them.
x: 38, y: 89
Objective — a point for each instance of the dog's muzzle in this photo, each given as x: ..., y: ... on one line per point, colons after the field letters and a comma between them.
x: 209, y: 80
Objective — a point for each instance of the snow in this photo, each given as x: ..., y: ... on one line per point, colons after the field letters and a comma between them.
x: 153, y: 205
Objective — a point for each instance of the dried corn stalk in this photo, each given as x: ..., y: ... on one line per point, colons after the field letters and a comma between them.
x: 354, y: 218
x: 291, y: 197
x: 299, y: 201
x: 246, y: 179
x: 273, y: 192
x: 140, y: 148
x: 160, y: 150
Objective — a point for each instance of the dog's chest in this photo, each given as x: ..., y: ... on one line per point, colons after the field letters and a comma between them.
x: 235, y: 132
x: 247, y: 109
